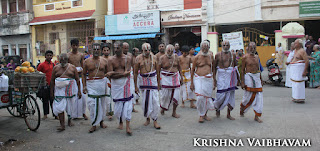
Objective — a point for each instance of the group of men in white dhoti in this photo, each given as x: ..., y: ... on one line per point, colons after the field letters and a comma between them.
x: 160, y: 80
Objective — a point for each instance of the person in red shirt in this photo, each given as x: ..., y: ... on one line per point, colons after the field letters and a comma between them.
x: 47, y: 67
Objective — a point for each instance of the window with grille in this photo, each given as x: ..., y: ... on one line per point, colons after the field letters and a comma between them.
x: 13, y: 6
x: 4, y: 7
x: 53, y: 37
x: 22, y: 5
x: 76, y: 3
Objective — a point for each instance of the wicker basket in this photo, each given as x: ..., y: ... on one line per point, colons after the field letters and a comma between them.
x: 29, y: 80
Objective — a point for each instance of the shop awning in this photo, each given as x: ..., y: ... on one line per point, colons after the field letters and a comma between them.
x: 83, y: 15
x: 126, y: 37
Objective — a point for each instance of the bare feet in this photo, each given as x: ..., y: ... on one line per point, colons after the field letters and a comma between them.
x: 147, y: 122
x: 256, y: 118
x: 207, y: 118
x: 182, y: 104
x: 230, y: 117
x: 192, y: 104
x: 85, y: 117
x: 137, y: 102
x: 133, y: 110
x: 218, y: 113
x: 201, y: 120
x: 92, y: 129
x: 175, y: 115
x: 44, y: 117
x: 241, y: 112
x: 110, y: 118
x: 318, y: 87
x: 156, y: 125
x: 102, y: 125
x: 120, y: 127
x: 70, y: 124
x: 162, y: 112
x: 61, y: 128
x: 129, y: 132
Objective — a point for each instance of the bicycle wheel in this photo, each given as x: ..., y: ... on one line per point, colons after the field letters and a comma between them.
x: 31, y: 112
x: 14, y: 110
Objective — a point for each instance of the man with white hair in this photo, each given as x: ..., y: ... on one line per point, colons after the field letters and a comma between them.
x: 65, y: 86
x: 171, y: 79
x: 202, y: 81
x: 298, y: 72
x: 251, y: 82
x: 226, y: 80
x: 148, y: 84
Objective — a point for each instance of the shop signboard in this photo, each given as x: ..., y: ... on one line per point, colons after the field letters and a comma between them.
x: 309, y: 9
x: 235, y: 39
x: 133, y: 23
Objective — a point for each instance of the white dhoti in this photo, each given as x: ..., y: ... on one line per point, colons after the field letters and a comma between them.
x: 65, y: 91
x: 79, y: 107
x: 253, y: 94
x: 108, y: 99
x: 226, y: 86
x: 187, y: 94
x: 150, y: 95
x: 203, y: 90
x: 288, y: 77
x: 122, y: 96
x: 97, y: 91
x: 170, y: 91
x: 298, y: 81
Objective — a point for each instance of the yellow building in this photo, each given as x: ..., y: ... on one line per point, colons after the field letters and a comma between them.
x: 56, y: 22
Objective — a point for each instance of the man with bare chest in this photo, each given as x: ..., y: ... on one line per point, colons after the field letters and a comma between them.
x: 202, y: 81
x: 298, y: 72
x: 161, y: 52
x: 185, y: 63
x: 65, y: 87
x: 76, y: 59
x: 226, y: 80
x: 95, y: 84
x: 125, y: 49
x: 191, y: 54
x: 148, y: 84
x: 170, y: 80
x: 251, y: 82
x: 106, y: 55
x: 119, y: 72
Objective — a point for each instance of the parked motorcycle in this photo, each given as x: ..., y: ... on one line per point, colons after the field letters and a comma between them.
x: 274, y: 73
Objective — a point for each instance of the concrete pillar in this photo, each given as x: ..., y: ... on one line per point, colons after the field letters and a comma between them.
x: 165, y: 37
x: 8, y: 7
x: 17, y: 5
x: 33, y: 44
x: 214, y: 41
x: 17, y: 50
x: 204, y: 31
x: 9, y: 49
x: 1, y: 11
x: 28, y: 52
x: 1, y: 51
x: 110, y: 7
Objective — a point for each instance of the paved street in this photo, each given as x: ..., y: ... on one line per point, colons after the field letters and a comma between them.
x: 282, y: 119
